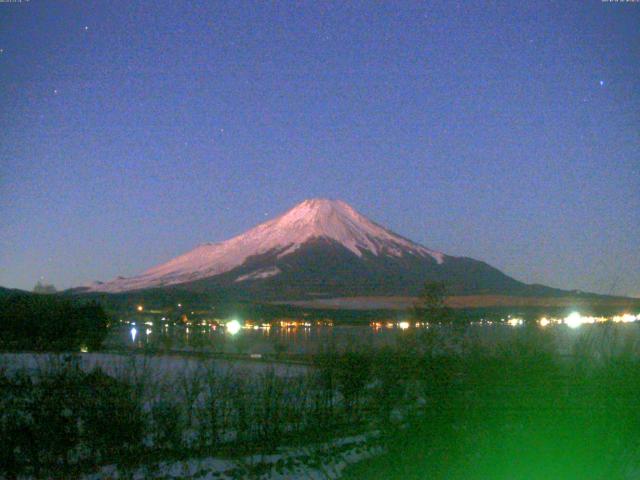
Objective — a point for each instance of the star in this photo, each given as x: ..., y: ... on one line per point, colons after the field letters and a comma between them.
x: 86, y: 27
x: 602, y: 83
x: 55, y: 91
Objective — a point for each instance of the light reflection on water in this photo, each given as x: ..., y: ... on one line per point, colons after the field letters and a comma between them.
x: 245, y: 340
x: 312, y: 338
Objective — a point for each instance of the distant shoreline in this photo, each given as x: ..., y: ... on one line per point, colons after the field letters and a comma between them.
x: 463, y: 301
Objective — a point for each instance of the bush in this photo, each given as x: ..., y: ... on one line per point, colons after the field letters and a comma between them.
x: 46, y: 322
x: 166, y: 418
x: 64, y: 420
x: 113, y: 418
x: 352, y: 375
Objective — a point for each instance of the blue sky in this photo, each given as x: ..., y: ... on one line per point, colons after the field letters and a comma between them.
x: 503, y: 131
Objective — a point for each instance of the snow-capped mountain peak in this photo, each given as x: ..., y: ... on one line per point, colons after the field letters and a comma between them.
x: 338, y: 221
x: 317, y: 218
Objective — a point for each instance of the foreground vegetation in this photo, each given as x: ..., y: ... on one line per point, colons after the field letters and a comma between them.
x: 51, y: 323
x: 57, y: 420
x: 520, y: 410
x: 439, y: 407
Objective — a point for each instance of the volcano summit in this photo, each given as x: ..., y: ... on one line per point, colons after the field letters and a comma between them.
x: 320, y: 248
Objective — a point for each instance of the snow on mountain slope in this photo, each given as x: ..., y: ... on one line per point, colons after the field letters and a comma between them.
x: 317, y: 218
x: 264, y: 273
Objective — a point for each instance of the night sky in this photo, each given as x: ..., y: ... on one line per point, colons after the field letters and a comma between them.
x: 508, y: 132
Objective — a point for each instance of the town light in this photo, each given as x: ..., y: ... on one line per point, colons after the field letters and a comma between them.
x: 140, y: 308
x: 233, y: 327
x: 515, y: 322
x: 573, y: 320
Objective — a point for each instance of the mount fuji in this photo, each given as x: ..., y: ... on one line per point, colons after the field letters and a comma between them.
x: 319, y: 249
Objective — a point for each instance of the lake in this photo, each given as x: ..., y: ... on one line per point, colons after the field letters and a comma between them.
x: 293, y: 337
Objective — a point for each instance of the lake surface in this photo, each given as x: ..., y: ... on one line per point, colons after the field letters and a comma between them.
x: 300, y: 338
x: 255, y: 340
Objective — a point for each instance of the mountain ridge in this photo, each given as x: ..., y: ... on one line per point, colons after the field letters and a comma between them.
x: 283, y: 235
x: 320, y: 248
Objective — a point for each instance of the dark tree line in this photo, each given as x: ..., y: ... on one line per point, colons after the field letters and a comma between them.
x: 431, y: 304
x: 46, y: 322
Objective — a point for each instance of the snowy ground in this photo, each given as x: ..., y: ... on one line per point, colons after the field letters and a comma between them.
x: 313, y: 461
x: 154, y: 367
x: 324, y: 461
